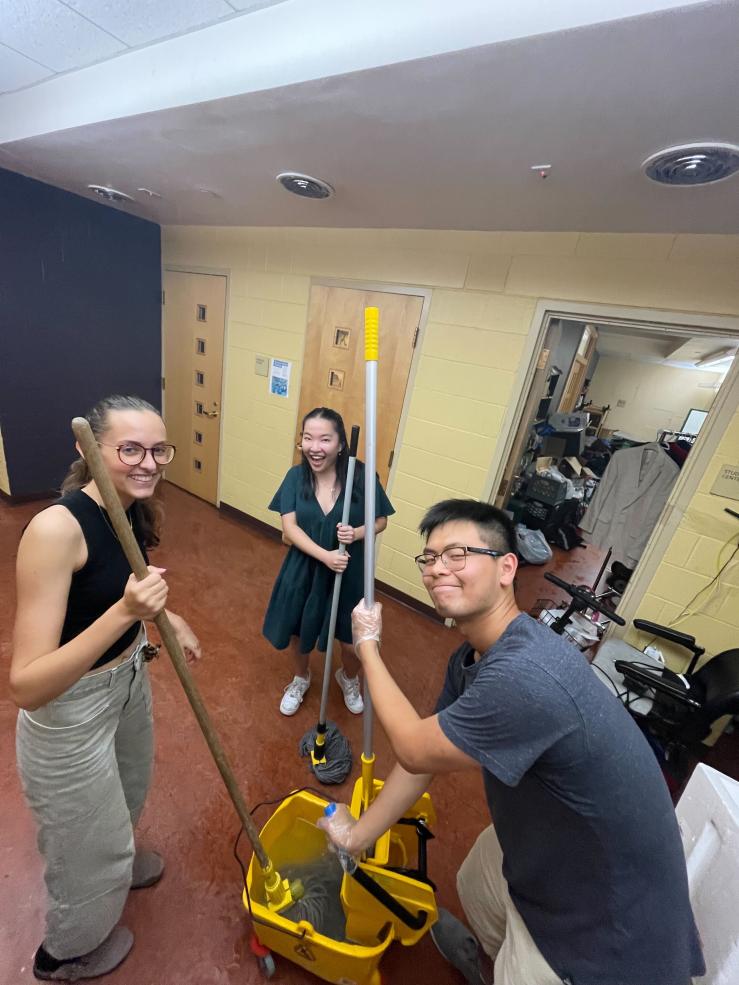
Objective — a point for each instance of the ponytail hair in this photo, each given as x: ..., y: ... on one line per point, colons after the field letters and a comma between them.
x: 148, y: 513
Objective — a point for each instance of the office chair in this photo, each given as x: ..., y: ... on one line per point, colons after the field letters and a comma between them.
x: 685, y: 706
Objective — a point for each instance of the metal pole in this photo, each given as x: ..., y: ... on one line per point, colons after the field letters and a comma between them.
x: 354, y: 441
x: 371, y: 352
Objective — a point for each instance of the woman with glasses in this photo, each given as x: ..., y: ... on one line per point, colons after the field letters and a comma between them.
x: 310, y: 502
x: 79, y: 676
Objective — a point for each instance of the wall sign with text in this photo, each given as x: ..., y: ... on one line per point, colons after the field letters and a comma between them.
x: 727, y: 482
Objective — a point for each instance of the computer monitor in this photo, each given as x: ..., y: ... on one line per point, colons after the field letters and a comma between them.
x: 694, y: 421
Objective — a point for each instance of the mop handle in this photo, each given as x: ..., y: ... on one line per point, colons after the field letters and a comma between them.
x: 131, y: 549
x: 371, y: 352
x: 371, y: 344
x: 351, y: 464
x: 353, y: 444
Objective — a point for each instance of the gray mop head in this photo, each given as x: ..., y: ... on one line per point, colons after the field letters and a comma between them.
x: 338, y: 763
x: 321, y: 903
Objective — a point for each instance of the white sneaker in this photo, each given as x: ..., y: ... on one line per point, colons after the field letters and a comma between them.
x: 294, y: 694
x: 352, y: 694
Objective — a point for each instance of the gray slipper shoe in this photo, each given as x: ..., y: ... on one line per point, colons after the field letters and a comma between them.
x: 459, y: 946
x: 107, y: 956
x: 147, y: 869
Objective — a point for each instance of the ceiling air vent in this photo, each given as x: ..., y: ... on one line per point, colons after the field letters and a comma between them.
x: 110, y: 194
x: 304, y: 185
x: 693, y: 164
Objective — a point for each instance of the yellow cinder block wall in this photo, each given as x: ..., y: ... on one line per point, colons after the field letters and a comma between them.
x: 704, y: 540
x: 485, y: 288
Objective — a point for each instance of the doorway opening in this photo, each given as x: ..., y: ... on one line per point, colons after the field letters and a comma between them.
x: 615, y: 425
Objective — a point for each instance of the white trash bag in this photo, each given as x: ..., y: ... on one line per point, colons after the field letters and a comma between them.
x: 532, y: 545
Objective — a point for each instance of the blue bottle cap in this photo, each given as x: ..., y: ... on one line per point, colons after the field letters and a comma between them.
x: 329, y: 810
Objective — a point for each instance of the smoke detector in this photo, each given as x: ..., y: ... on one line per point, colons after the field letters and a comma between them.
x: 304, y: 185
x: 110, y: 194
x: 693, y: 164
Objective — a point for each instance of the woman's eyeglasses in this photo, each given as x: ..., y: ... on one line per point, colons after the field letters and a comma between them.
x: 453, y: 558
x: 132, y: 453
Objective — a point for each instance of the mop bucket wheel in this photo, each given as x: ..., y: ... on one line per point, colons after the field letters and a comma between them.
x: 267, y: 965
x: 263, y: 956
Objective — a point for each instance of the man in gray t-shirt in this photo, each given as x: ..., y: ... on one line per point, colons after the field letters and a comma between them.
x: 581, y: 878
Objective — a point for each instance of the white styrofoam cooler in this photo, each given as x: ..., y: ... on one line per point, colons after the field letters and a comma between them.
x: 708, y: 814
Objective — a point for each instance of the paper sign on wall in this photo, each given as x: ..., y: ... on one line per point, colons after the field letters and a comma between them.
x: 727, y: 482
x: 279, y: 377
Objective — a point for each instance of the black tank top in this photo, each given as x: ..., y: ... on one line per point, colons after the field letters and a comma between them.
x: 102, y: 579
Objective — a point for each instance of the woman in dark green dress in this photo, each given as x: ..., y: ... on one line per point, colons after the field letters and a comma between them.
x: 310, y: 502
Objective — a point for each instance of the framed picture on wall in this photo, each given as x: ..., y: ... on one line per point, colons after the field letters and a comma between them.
x: 341, y: 337
x: 336, y: 379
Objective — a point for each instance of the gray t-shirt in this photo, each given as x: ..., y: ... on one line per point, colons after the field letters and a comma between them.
x: 591, y: 847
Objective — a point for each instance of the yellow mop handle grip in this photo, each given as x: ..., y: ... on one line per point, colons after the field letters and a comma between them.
x: 368, y: 780
x: 371, y: 334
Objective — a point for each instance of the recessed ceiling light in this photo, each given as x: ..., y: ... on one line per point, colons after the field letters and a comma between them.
x: 110, y: 194
x: 693, y: 164
x: 304, y: 185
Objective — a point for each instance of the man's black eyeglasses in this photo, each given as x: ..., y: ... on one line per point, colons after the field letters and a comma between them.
x: 453, y: 558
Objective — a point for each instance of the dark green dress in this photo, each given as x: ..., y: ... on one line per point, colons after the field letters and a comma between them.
x: 301, y: 599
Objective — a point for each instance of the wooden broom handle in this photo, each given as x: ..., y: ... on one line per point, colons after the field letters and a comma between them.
x: 131, y: 549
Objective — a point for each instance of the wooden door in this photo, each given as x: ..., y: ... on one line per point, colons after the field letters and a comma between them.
x: 193, y: 323
x: 333, y: 366
x: 580, y: 363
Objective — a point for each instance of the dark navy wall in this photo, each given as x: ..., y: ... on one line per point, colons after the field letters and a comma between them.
x: 80, y: 317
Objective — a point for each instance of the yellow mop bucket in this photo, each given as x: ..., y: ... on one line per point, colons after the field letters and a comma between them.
x: 291, y: 837
x: 397, y: 846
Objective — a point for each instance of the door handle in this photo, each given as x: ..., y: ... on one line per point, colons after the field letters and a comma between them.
x: 211, y: 413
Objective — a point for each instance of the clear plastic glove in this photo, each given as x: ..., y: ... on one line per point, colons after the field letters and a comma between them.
x: 339, y: 829
x: 366, y: 624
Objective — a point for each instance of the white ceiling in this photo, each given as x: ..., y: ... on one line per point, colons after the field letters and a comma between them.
x: 420, y: 115
x: 678, y: 350
x: 42, y: 38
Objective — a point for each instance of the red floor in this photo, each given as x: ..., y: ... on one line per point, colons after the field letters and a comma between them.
x: 191, y: 927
